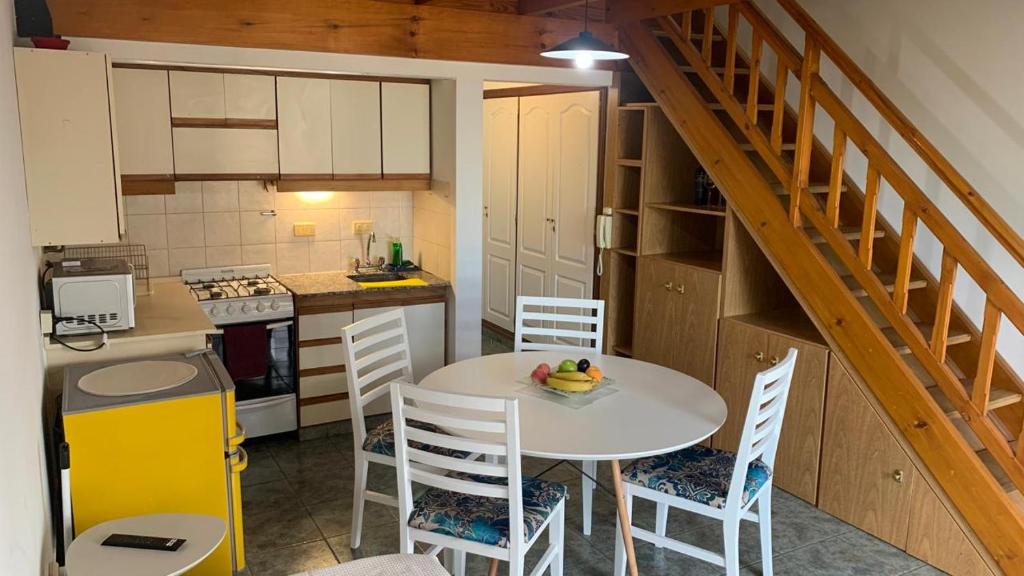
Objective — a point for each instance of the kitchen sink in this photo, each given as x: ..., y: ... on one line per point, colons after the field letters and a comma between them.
x: 377, y: 277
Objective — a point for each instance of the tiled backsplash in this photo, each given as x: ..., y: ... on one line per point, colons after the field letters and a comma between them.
x: 433, y: 231
x: 220, y: 224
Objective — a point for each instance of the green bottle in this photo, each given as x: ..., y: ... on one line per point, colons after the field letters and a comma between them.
x: 396, y: 254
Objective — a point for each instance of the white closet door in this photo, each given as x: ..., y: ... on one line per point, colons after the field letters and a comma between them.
x: 501, y: 125
x: 575, y: 197
x: 558, y: 144
x: 355, y: 121
x: 536, y: 190
x: 304, y: 126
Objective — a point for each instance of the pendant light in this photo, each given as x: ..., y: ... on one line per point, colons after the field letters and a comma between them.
x: 585, y: 48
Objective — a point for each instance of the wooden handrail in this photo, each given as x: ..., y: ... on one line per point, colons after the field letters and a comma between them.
x: 982, y: 210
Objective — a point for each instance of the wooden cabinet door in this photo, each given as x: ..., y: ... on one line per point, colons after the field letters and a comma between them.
x: 694, y: 322
x: 197, y: 95
x: 405, y: 129
x: 866, y: 478
x: 796, y: 463
x: 653, y: 332
x: 355, y: 128
x: 250, y: 97
x: 143, y: 109
x: 742, y: 350
x: 935, y: 537
x: 304, y: 127
x: 67, y: 148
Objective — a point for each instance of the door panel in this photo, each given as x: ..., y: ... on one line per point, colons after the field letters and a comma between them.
x: 694, y: 324
x: 355, y: 128
x: 535, y: 156
x: 501, y: 155
x: 304, y: 124
x: 860, y: 460
x: 652, y: 338
x: 575, y: 195
x: 739, y: 347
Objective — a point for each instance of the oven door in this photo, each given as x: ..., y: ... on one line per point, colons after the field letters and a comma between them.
x: 265, y: 402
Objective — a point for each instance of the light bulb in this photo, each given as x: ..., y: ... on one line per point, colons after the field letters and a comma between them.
x: 584, y: 60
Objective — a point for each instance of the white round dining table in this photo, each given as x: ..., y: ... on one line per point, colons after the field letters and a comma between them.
x: 654, y: 410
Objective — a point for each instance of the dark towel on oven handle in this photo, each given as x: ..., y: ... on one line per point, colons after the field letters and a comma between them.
x: 245, y: 350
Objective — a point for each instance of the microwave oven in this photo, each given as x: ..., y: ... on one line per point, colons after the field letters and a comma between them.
x: 92, y: 294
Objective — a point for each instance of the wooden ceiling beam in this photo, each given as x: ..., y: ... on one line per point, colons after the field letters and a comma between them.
x: 340, y: 26
x: 625, y: 11
x: 537, y: 7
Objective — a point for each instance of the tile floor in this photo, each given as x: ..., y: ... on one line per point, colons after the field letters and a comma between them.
x: 297, y: 501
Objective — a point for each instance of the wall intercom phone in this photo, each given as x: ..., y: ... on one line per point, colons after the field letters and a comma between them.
x: 603, y: 236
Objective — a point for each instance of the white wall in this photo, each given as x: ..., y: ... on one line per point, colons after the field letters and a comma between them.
x: 24, y: 517
x: 467, y: 133
x: 954, y: 69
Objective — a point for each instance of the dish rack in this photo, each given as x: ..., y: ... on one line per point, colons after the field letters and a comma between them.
x: 134, y: 254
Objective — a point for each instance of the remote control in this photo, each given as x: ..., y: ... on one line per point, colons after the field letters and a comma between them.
x: 144, y: 542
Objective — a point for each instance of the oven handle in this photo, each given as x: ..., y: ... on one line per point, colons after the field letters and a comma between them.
x: 276, y: 325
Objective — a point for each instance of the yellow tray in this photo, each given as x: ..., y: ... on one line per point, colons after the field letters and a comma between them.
x: 393, y: 283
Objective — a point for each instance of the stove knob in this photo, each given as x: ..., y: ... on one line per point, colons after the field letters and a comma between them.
x: 260, y: 307
x: 214, y: 311
x: 274, y: 305
x: 246, y: 308
x: 230, y: 309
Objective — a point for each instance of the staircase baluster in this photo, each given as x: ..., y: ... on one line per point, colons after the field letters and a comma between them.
x: 835, y: 182
x: 730, y: 48
x: 940, y: 331
x: 867, y: 228
x: 755, y: 77
x: 905, y: 264
x: 987, y: 357
x: 804, y: 130
x: 709, y: 34
x: 687, y: 25
x: 779, y: 111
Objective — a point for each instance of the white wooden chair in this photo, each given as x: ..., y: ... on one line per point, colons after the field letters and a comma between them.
x: 569, y: 325
x: 483, y: 508
x: 376, y: 352
x: 716, y: 483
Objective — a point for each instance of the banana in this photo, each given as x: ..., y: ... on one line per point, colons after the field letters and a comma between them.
x: 571, y: 385
x: 570, y: 376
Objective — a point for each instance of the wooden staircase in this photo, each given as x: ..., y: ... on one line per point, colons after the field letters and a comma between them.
x: 939, y: 378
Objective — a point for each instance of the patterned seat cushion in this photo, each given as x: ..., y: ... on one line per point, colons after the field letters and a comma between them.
x: 483, y: 519
x: 382, y: 440
x: 697, y: 473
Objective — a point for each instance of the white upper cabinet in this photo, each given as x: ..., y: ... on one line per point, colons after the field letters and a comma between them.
x: 68, y: 146
x: 355, y: 128
x: 304, y: 126
x: 143, y: 122
x: 244, y: 153
x: 249, y: 96
x: 405, y: 129
x: 197, y: 95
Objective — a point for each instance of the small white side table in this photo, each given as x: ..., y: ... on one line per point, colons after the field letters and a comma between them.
x: 202, y: 534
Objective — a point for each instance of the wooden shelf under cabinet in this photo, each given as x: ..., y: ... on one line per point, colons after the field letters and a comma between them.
x: 623, y: 350
x: 708, y: 260
x: 628, y: 211
x: 688, y: 208
x: 630, y: 162
x: 625, y: 251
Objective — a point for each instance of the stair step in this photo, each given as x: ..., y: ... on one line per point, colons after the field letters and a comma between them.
x: 760, y: 107
x: 888, y: 280
x: 813, y: 188
x: 997, y: 471
x: 955, y: 337
x: 716, y: 69
x: 785, y: 146
x: 660, y: 32
x: 848, y: 232
x: 997, y: 399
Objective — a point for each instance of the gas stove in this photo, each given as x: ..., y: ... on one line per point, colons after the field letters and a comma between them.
x: 239, y: 294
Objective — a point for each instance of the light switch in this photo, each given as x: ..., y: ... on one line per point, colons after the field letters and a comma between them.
x: 304, y: 229
x: 362, y: 227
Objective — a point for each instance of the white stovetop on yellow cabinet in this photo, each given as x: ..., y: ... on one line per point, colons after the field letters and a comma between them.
x: 167, y: 320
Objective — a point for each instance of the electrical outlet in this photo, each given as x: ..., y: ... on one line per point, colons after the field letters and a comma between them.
x: 360, y: 227
x: 304, y: 229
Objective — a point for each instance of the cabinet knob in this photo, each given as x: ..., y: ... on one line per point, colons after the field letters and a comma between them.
x: 681, y: 289
x: 668, y: 285
x: 759, y: 356
x: 774, y: 360
x: 897, y: 475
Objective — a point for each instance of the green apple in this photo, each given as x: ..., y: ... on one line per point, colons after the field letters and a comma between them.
x: 567, y: 366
